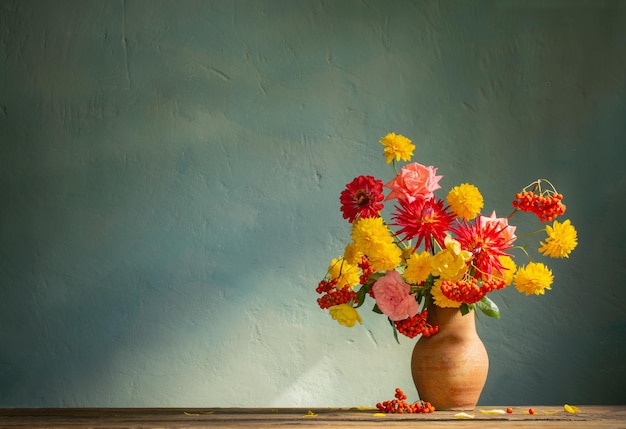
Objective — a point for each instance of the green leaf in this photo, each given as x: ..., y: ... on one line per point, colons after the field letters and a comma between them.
x: 395, y: 330
x: 376, y: 309
x: 465, y: 308
x: 360, y: 295
x: 374, y: 276
x: 489, y: 307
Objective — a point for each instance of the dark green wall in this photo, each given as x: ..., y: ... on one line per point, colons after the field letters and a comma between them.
x: 170, y: 173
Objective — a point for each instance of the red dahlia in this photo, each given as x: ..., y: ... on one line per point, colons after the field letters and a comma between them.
x: 425, y: 219
x: 485, y: 243
x: 362, y: 198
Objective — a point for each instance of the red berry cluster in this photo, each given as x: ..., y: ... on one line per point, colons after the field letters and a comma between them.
x: 326, y: 285
x: 545, y: 205
x: 400, y: 406
x: 494, y: 283
x: 336, y: 297
x: 468, y: 290
x: 366, y: 270
x: 413, y: 326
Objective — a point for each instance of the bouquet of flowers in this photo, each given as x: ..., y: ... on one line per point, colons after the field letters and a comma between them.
x: 434, y: 251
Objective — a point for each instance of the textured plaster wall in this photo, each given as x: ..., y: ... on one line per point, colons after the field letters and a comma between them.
x: 170, y: 174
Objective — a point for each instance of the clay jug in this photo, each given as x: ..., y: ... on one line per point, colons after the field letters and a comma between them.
x: 450, y: 367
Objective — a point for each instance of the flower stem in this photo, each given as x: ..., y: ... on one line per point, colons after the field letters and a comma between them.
x: 528, y: 234
x: 523, y: 249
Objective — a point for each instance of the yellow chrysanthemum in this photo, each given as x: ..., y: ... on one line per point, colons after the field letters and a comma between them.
x: 417, y: 267
x: 345, y: 273
x: 440, y: 299
x: 345, y: 314
x: 385, y: 257
x: 398, y: 147
x: 534, y: 278
x: 451, y: 262
x: 369, y: 233
x: 352, y: 255
x: 465, y: 201
x: 562, y: 239
x: 508, y: 271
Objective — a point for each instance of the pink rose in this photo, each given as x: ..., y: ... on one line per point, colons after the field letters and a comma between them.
x: 393, y: 297
x: 414, y: 181
x: 507, y: 232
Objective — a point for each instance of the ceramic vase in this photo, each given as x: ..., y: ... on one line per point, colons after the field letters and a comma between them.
x: 450, y: 367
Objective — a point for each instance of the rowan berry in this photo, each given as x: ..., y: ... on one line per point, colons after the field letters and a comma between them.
x: 400, y: 406
x: 326, y: 285
x: 493, y: 283
x: 366, y: 270
x: 416, y: 325
x: 466, y: 290
x: 546, y: 204
x: 336, y: 297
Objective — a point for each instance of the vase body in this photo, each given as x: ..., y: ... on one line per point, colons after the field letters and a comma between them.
x: 450, y: 367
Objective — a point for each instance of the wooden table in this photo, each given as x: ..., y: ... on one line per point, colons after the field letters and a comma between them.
x: 597, y: 417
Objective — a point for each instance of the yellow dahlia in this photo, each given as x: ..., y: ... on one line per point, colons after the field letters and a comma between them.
x: 417, y: 267
x: 440, y: 299
x: 345, y: 273
x: 385, y: 257
x: 352, y: 255
x: 465, y: 201
x: 508, y: 271
x: 398, y: 147
x: 562, y: 239
x: 368, y: 233
x: 533, y: 278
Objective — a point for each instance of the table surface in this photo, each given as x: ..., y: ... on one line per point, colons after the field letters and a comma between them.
x: 592, y: 416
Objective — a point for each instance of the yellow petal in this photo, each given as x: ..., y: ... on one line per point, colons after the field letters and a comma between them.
x: 571, y: 408
x: 379, y: 414
x: 495, y: 411
x: 463, y: 416
x: 310, y: 414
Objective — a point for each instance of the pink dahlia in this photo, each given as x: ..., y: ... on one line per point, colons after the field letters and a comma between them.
x: 507, y: 231
x: 425, y: 219
x: 362, y: 198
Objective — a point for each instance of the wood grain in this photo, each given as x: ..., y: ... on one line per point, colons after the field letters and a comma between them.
x: 79, y: 418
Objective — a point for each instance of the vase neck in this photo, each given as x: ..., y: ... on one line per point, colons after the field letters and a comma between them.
x: 451, y: 319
